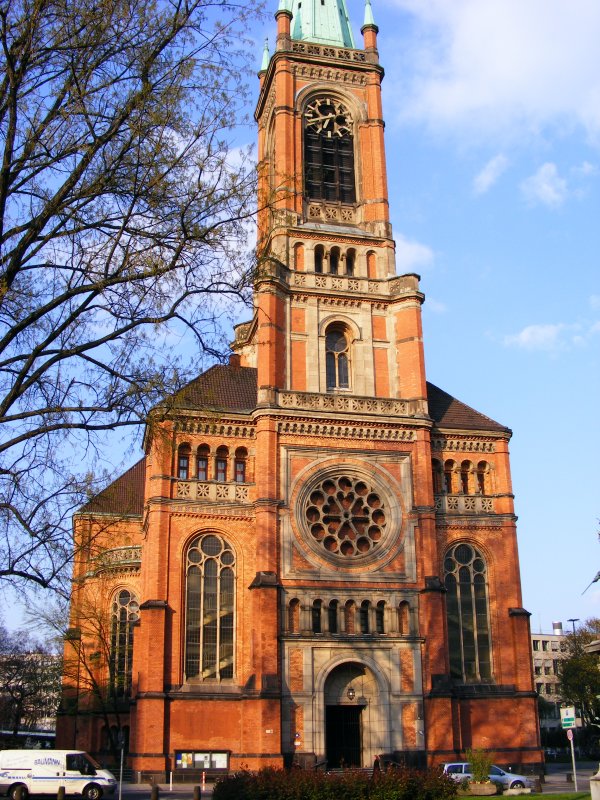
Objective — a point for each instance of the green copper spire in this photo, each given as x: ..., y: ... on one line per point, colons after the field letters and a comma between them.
x: 369, y: 19
x: 266, y: 57
x: 322, y: 21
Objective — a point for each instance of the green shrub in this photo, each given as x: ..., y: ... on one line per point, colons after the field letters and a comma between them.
x: 278, y: 784
x: 480, y: 762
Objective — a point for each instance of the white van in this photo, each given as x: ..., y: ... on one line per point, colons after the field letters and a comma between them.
x: 44, y: 771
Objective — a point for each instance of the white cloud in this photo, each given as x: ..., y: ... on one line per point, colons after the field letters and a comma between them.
x: 411, y: 255
x: 552, y: 338
x: 488, y: 176
x: 537, y: 337
x: 545, y: 186
x: 504, y: 66
x: 585, y: 169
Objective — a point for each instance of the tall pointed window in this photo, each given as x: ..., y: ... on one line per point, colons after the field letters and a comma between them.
x: 467, y: 610
x: 337, y: 359
x: 210, y: 598
x: 124, y: 614
x: 328, y: 152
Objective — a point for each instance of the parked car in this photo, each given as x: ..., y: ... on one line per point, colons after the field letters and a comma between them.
x: 461, y: 771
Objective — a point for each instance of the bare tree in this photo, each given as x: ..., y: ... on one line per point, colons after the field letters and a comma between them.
x: 123, y: 212
x: 30, y: 679
x: 96, y: 666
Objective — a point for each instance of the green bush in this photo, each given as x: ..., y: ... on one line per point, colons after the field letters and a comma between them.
x: 278, y: 784
x: 480, y: 762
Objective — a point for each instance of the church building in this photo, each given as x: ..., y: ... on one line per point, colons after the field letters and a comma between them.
x: 315, y: 561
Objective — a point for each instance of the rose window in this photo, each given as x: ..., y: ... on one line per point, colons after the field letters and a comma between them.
x: 346, y: 516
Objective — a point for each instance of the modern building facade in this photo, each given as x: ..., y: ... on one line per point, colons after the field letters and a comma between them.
x: 547, y: 650
x: 316, y: 558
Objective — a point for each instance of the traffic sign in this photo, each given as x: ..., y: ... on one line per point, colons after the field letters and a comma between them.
x: 570, y: 735
x: 567, y: 717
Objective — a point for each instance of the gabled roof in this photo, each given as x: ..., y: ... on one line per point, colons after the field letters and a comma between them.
x: 448, y: 412
x: 124, y: 496
x: 225, y: 388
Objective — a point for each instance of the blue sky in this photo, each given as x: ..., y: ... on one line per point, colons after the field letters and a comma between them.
x: 492, y: 112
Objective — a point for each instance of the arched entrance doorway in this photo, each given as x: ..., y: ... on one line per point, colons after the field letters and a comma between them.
x: 350, y: 691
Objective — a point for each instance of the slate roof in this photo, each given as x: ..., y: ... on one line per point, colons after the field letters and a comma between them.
x: 223, y: 387
x: 125, y: 496
x: 448, y: 412
x: 233, y: 389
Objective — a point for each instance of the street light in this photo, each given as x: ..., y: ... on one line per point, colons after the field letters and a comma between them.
x: 573, y: 620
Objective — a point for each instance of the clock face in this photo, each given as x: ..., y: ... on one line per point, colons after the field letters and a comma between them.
x: 328, y: 116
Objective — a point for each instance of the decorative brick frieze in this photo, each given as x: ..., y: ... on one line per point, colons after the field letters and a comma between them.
x: 216, y: 428
x: 121, y: 559
x: 379, y: 407
x: 328, y: 212
x: 462, y: 445
x: 463, y: 504
x: 378, y: 433
x: 212, y: 491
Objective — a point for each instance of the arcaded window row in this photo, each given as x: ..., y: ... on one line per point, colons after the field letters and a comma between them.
x: 207, y: 465
x: 348, y: 617
x: 465, y: 477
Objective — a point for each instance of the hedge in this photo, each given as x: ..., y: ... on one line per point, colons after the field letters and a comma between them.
x: 279, y: 784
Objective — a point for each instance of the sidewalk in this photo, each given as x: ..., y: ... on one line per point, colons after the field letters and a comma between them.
x: 555, y: 780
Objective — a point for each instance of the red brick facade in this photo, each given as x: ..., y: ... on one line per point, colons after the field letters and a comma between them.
x: 366, y: 516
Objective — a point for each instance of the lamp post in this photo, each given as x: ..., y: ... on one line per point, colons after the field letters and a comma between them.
x: 573, y: 620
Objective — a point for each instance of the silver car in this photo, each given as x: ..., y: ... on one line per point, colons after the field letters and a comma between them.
x: 461, y: 771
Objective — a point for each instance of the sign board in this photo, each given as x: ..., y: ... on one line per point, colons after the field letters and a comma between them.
x: 567, y: 717
x: 570, y: 735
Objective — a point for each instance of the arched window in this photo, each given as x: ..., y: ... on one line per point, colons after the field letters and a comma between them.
x: 350, y: 262
x: 332, y: 616
x: 334, y: 260
x: 319, y: 256
x: 183, y: 462
x: 299, y: 257
x: 483, y: 477
x: 349, y: 616
x: 124, y: 614
x: 328, y: 152
x: 202, y: 462
x: 317, y: 607
x: 467, y: 612
x: 337, y: 359
x: 365, y: 608
x: 404, y: 618
x: 438, y: 476
x: 241, y: 457
x: 466, y: 469
x: 209, y: 612
x: 380, y: 617
x: 371, y: 264
x: 450, y: 476
x: 221, y: 463
x: 294, y: 616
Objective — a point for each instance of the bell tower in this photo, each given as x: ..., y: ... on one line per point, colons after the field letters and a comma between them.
x: 332, y: 316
